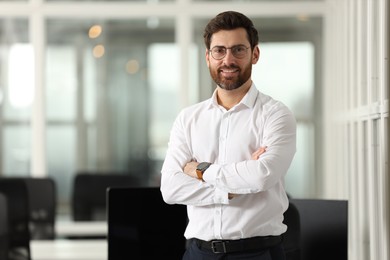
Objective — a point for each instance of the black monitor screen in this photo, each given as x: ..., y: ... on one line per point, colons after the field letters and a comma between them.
x: 142, y: 226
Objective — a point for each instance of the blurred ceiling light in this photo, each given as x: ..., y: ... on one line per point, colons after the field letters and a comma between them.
x: 21, y: 75
x: 1, y: 96
x: 94, y: 31
x: 98, y: 51
x: 303, y: 18
x: 132, y: 66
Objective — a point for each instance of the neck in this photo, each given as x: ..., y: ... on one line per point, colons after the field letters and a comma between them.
x: 230, y: 98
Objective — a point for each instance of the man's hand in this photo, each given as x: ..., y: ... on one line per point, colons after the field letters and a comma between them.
x: 190, y: 169
x: 258, y: 152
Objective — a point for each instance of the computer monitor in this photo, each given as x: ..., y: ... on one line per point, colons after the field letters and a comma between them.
x: 142, y: 226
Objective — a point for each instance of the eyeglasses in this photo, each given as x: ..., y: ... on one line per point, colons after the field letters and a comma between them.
x: 238, y: 51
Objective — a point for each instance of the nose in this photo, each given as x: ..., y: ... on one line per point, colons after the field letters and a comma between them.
x: 229, y: 56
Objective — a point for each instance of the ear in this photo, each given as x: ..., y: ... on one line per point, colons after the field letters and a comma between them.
x: 256, y: 55
x: 207, y: 54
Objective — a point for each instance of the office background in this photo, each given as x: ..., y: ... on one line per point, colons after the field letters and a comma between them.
x: 94, y: 86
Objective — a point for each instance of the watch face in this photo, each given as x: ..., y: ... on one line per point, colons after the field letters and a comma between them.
x: 203, y: 166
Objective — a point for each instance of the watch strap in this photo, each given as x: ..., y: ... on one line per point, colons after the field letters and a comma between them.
x: 201, y: 168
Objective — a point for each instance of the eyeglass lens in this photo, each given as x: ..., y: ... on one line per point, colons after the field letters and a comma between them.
x: 238, y: 51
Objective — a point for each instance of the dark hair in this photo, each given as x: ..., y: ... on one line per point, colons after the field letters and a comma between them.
x: 228, y: 21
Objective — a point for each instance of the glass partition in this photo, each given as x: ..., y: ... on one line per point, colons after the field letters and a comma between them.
x: 16, y: 96
x: 111, y: 93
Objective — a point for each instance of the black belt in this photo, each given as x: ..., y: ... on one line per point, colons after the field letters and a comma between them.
x: 229, y: 246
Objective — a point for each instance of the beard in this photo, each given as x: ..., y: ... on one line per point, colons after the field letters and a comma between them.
x: 233, y: 82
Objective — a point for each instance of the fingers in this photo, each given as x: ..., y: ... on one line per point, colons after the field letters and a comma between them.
x: 190, y: 169
x: 258, y: 152
x: 231, y: 196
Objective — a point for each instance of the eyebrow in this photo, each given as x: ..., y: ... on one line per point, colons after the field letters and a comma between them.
x: 241, y: 44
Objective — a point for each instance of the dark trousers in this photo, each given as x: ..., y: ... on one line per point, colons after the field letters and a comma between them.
x: 193, y: 252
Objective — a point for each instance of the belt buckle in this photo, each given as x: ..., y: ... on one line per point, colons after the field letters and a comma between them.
x: 214, y: 245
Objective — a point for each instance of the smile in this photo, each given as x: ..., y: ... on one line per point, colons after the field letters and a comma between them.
x: 229, y: 71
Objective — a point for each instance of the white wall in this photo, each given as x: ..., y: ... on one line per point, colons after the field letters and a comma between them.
x: 356, y: 119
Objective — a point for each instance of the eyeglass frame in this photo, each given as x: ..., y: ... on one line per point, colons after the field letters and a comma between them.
x: 231, y: 48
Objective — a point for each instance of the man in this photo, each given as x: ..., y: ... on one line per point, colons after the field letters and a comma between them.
x: 228, y: 155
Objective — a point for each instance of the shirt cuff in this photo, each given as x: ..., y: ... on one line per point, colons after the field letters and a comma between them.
x: 210, y: 176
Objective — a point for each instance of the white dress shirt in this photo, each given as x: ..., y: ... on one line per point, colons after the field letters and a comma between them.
x: 207, y: 132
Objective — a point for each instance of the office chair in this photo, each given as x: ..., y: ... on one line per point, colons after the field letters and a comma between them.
x: 292, y: 237
x: 15, y: 190
x: 3, y: 227
x: 89, y: 193
x: 42, y: 205
x: 324, y: 228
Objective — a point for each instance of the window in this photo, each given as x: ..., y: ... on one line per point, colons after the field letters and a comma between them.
x: 111, y: 94
x: 16, y: 96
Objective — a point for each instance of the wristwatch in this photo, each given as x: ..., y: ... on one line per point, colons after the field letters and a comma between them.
x: 201, y: 168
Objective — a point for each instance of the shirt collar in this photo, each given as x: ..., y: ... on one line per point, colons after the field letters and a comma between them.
x: 248, y: 100
x: 250, y: 97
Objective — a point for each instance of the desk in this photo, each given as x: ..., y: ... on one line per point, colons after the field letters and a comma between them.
x: 81, y: 229
x: 62, y: 249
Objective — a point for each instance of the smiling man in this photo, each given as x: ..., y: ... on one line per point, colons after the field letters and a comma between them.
x: 228, y: 155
